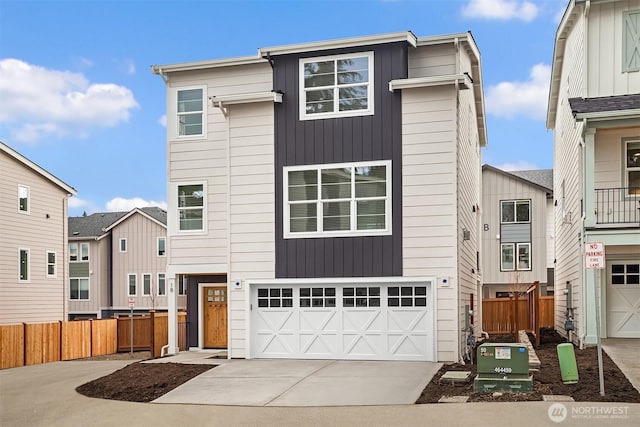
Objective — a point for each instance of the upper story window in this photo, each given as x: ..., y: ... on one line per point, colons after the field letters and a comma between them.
x: 162, y: 246
x: 146, y: 284
x: 73, y: 252
x: 23, y: 199
x: 515, y: 211
x: 162, y: 284
x: 123, y: 245
x: 190, y: 110
x: 51, y: 264
x: 632, y: 151
x: 191, y: 203
x: 631, y: 41
x: 347, y: 199
x: 84, y: 252
x: 24, y: 268
x: 132, y: 281
x: 336, y: 86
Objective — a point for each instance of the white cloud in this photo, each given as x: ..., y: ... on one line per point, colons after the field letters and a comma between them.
x: 47, y: 102
x: 76, y: 202
x: 120, y: 204
x: 500, y: 9
x: 519, y: 165
x: 126, y: 65
x: 528, y: 98
x: 163, y: 120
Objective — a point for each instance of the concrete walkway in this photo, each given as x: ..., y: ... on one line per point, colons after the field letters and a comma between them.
x: 625, y: 352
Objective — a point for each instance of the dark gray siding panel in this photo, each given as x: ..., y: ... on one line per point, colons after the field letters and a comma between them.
x: 351, y: 139
x: 78, y: 269
x: 515, y: 233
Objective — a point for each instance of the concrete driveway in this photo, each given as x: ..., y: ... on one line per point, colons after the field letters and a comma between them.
x: 306, y: 383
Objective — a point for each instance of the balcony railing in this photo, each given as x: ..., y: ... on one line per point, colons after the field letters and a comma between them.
x: 618, y: 206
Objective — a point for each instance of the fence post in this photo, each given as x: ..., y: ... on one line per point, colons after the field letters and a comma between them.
x: 152, y: 327
x: 536, y: 310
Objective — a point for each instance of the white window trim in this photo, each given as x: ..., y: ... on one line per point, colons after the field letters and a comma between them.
x: 177, y: 208
x: 77, y: 252
x: 351, y: 113
x: 502, y: 268
x: 28, y: 251
x: 128, y: 284
x: 122, y: 239
x: 351, y: 233
x: 165, y: 245
x: 80, y: 252
x: 628, y: 169
x: 88, y: 289
x: 515, y: 212
x: 517, y: 256
x: 55, y: 264
x: 28, y: 211
x: 144, y: 275
x: 205, y: 105
x: 165, y: 284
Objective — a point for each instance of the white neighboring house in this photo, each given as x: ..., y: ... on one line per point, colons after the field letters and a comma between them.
x: 323, y: 198
x: 33, y: 241
x: 517, y: 231
x: 594, y: 110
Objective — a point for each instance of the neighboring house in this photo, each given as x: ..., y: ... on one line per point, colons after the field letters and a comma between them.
x: 115, y: 258
x: 33, y: 241
x: 322, y: 198
x: 594, y: 110
x: 517, y: 231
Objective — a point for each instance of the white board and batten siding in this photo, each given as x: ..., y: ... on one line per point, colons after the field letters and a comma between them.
x: 252, y: 210
x: 567, y: 136
x: 44, y: 228
x: 205, y: 159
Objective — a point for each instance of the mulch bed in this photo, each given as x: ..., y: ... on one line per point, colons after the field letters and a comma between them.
x: 547, y: 381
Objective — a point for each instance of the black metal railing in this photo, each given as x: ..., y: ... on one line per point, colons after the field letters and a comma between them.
x: 618, y: 206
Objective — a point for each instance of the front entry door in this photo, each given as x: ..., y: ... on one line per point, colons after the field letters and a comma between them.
x: 215, y: 317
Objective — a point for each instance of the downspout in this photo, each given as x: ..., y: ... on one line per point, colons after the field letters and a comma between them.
x: 229, y: 290
x: 583, y: 219
x: 461, y: 333
x: 110, y: 271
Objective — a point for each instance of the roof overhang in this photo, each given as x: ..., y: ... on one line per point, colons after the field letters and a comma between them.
x: 129, y: 215
x: 609, y: 115
x: 162, y: 70
x: 463, y: 81
x: 31, y: 165
x: 246, y: 98
x: 486, y: 167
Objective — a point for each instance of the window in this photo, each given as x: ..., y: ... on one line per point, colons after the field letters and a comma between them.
x: 191, y: 207
x: 625, y: 274
x: 338, y: 200
x: 79, y: 289
x: 191, y: 112
x: 24, y: 268
x: 515, y: 256
x: 123, y: 245
x: 23, y: 199
x: 146, y: 284
x: 84, y: 252
x: 162, y: 284
x: 361, y: 297
x: 317, y: 297
x: 632, y: 151
x: 183, y: 285
x: 336, y: 86
x: 73, y: 252
x: 51, y: 264
x: 514, y: 211
x: 407, y: 296
x: 132, y: 280
x: 275, y: 297
x: 630, y: 41
x: 162, y: 244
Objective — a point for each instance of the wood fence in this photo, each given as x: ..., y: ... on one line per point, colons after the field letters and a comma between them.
x: 33, y: 343
x: 498, y: 314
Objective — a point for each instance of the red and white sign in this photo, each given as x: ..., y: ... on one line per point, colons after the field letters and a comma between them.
x: 594, y: 256
x: 132, y: 302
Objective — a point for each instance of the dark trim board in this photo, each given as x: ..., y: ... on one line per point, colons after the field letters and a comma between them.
x: 338, y: 140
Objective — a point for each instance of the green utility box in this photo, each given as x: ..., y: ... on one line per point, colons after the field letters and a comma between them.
x: 568, y: 366
x: 503, y: 367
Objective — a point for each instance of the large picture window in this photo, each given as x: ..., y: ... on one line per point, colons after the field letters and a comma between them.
x: 515, y: 256
x: 632, y: 151
x: 515, y: 211
x: 79, y: 289
x: 191, y: 205
x: 338, y: 200
x: 190, y: 112
x: 339, y: 85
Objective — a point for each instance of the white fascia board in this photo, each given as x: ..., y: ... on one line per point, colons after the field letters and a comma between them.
x: 406, y: 36
x: 344, y: 280
x: 210, y: 269
x: 610, y: 115
x: 246, y: 98
x: 451, y: 79
x: 200, y: 65
x: 31, y: 165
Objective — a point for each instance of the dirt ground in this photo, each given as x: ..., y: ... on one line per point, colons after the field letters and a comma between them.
x: 144, y: 382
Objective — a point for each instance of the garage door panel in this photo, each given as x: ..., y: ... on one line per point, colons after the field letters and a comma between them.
x: 361, y: 346
x: 623, y: 299
x: 318, y: 345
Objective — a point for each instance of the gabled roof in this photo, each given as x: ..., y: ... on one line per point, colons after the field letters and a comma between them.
x: 540, y: 178
x: 97, y: 225
x: 594, y: 107
x: 37, y: 169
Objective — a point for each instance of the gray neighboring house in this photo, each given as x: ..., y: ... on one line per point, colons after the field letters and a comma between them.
x: 518, y: 231
x: 115, y: 258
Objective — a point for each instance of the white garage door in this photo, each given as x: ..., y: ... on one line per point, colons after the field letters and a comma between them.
x: 623, y: 300
x: 343, y: 321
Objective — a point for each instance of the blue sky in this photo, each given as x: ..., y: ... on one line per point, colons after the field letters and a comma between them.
x: 77, y: 95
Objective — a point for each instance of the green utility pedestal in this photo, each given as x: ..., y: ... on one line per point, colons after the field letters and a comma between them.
x: 503, y: 367
x: 568, y: 366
